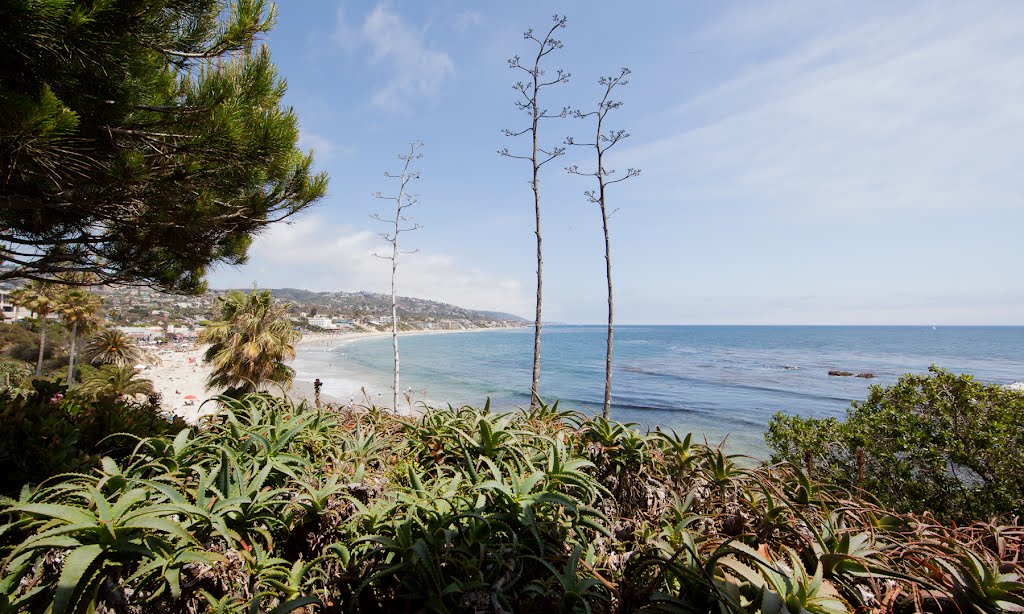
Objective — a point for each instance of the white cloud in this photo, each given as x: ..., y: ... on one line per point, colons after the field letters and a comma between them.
x: 466, y: 20
x: 915, y: 110
x: 313, y: 255
x: 324, y: 149
x: 345, y: 35
x: 415, y: 70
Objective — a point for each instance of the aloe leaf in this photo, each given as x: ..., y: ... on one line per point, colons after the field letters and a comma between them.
x: 165, y: 525
x: 65, y: 513
x: 180, y: 441
x: 57, y: 541
x: 294, y: 604
x: 79, y: 567
x: 128, y: 500
x: 62, y: 529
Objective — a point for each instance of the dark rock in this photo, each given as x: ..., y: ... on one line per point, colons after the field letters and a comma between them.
x: 865, y: 375
x: 360, y: 491
x: 840, y: 373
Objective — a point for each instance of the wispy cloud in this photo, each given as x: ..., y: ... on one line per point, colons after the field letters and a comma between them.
x: 316, y: 255
x: 324, y: 148
x: 466, y: 20
x: 414, y: 69
x: 915, y: 109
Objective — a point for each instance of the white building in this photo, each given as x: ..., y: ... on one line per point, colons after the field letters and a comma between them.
x: 143, y: 333
x: 321, y: 322
x: 11, y: 311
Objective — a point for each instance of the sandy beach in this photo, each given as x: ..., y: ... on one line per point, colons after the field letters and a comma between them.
x: 179, y: 375
x: 337, y: 388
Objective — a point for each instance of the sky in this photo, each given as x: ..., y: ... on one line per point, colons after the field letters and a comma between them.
x: 803, y: 162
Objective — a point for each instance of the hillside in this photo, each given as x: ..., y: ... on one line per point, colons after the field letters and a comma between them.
x: 358, y: 304
x: 131, y: 306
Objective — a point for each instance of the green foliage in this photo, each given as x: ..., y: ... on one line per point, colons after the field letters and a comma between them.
x: 18, y: 342
x: 15, y: 372
x: 47, y: 432
x: 42, y: 299
x: 249, y: 344
x: 26, y: 347
x: 113, y: 382
x: 940, y: 443
x: 143, y: 140
x: 272, y: 506
x: 113, y: 347
x: 80, y: 311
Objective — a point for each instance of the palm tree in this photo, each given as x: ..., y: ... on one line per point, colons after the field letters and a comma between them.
x: 114, y: 381
x: 80, y: 309
x: 42, y: 299
x: 249, y: 344
x: 113, y: 347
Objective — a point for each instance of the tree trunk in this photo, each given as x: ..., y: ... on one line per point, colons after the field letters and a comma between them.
x: 394, y: 313
x: 534, y: 394
x: 607, y: 409
x: 42, y: 343
x: 402, y: 201
x: 611, y: 315
x: 71, y: 353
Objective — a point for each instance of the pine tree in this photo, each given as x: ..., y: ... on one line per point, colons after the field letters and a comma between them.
x: 142, y: 140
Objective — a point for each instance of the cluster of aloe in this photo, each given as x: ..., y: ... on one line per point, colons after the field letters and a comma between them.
x: 271, y: 506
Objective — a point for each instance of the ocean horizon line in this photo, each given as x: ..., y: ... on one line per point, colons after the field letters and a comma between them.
x: 930, y: 325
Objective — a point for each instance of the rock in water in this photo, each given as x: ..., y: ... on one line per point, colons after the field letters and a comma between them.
x: 840, y: 373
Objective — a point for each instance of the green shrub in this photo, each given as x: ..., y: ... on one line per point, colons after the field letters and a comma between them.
x: 940, y: 443
x: 15, y: 373
x: 272, y: 506
x: 16, y: 333
x: 20, y: 340
x: 46, y: 432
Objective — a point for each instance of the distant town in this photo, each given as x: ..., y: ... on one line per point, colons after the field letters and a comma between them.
x: 150, y: 315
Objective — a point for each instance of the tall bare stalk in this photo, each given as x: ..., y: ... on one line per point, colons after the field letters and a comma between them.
x: 400, y: 223
x: 530, y: 103
x: 603, y: 141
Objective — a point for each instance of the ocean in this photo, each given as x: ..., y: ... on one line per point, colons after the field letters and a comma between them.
x: 719, y: 382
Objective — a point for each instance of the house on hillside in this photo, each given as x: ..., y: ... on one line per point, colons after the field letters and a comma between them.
x: 13, y: 312
x: 142, y: 333
x: 321, y: 322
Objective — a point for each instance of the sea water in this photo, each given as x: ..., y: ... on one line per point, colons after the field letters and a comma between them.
x: 715, y: 381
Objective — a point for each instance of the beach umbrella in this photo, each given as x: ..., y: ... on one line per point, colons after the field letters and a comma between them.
x: 190, y: 397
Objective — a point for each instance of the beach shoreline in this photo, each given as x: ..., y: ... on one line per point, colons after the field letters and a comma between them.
x: 348, y: 391
x: 179, y: 375
x: 312, y: 339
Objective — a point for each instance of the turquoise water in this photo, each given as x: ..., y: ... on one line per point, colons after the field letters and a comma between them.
x: 717, y: 381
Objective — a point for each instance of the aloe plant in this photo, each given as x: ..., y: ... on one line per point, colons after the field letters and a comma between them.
x: 100, y: 534
x: 271, y: 505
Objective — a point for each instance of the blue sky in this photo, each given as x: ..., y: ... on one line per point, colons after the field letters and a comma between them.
x: 803, y: 162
